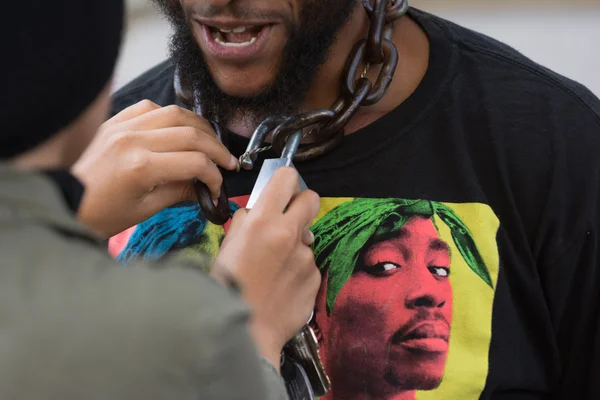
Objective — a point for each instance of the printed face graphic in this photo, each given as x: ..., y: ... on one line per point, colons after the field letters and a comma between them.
x: 385, y: 307
x: 390, y: 327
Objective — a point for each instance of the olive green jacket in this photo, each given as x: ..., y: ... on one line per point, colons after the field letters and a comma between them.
x: 75, y: 325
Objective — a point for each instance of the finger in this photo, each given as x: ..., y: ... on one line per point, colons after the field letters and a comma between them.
x: 140, y: 108
x: 237, y: 221
x: 305, y: 258
x: 238, y: 218
x: 177, y: 139
x: 314, y: 284
x: 278, y: 192
x: 183, y: 166
x: 308, y: 237
x: 166, y: 195
x: 167, y: 117
x: 303, y: 209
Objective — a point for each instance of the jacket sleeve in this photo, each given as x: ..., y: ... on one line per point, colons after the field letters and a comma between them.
x: 234, y: 371
x: 226, y: 364
x: 85, y: 328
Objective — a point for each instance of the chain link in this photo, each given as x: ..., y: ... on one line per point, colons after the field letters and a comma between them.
x: 250, y: 154
x: 326, y: 126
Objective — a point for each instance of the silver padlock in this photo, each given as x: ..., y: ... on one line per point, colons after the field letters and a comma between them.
x: 271, y: 165
x: 302, y: 352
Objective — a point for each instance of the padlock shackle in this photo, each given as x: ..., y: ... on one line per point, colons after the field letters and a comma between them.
x: 291, y: 146
x: 257, y: 140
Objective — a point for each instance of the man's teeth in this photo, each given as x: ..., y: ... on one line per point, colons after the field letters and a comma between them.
x: 221, y: 39
x: 234, y: 30
x: 231, y: 44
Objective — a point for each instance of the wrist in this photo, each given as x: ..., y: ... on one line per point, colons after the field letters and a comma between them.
x: 224, y: 277
x: 268, y: 347
x: 85, y: 218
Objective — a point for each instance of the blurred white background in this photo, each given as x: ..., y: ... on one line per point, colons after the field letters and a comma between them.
x: 563, y: 35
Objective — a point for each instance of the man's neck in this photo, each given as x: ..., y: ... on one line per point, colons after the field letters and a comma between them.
x: 413, y: 53
x: 47, y: 156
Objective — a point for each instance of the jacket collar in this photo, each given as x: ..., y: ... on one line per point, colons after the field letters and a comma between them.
x: 35, y: 197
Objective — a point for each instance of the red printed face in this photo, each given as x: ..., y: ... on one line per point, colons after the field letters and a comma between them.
x: 390, y: 326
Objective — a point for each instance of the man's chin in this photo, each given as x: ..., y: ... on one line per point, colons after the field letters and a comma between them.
x: 414, y: 379
x: 246, y: 83
x: 241, y: 92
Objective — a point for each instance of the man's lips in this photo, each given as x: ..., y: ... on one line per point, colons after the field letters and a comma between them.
x: 430, y: 336
x: 228, y: 23
x: 235, y: 41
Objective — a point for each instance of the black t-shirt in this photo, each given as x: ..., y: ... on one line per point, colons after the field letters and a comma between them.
x: 458, y: 237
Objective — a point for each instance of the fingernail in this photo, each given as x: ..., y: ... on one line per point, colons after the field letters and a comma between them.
x: 216, y: 198
x: 310, y: 237
x: 234, y: 162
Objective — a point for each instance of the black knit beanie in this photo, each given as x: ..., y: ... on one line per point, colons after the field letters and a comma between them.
x: 57, y: 56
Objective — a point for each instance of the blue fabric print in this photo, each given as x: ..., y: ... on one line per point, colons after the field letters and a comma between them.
x: 171, y: 229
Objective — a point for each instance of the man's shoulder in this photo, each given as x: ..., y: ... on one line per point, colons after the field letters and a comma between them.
x: 156, y: 84
x: 509, y: 75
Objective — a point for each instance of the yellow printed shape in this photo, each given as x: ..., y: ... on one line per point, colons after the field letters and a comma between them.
x: 467, y: 365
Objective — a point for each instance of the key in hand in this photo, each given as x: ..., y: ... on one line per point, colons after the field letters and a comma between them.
x: 271, y: 165
x: 304, y: 349
x: 305, y: 377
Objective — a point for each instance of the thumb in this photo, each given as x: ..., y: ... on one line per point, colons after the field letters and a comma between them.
x: 238, y: 219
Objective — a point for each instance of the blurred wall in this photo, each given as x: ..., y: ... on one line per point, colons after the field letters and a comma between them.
x: 562, y: 35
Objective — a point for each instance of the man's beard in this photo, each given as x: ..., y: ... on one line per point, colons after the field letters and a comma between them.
x: 306, y: 50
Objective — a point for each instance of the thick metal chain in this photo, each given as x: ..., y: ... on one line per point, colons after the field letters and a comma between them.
x: 326, y: 126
